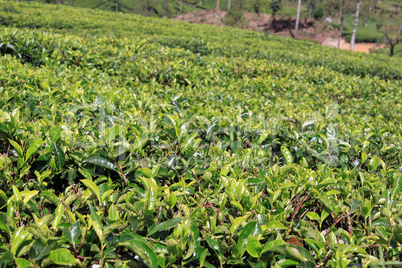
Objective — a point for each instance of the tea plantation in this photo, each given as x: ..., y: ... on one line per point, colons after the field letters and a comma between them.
x: 128, y: 141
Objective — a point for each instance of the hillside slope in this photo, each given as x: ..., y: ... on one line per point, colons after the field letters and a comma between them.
x: 130, y: 141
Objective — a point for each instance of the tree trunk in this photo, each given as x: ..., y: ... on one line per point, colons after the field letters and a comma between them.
x: 297, y: 17
x: 310, y: 10
x: 117, y: 5
x: 217, y: 5
x: 341, y: 24
x: 352, y: 41
x: 181, y: 6
x: 165, y: 8
x: 229, y: 4
x: 391, y: 50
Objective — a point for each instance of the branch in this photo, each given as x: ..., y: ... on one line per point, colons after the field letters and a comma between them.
x: 398, y: 32
x: 329, y: 255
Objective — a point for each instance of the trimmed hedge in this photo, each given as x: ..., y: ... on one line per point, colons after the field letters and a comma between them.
x: 363, y: 35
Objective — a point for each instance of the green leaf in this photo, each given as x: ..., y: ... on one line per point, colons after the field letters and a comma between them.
x: 274, y: 226
x: 189, y: 141
x: 73, y: 232
x: 16, y: 192
x: 287, y: 155
x: 236, y: 205
x: 58, y: 216
x: 19, y: 237
x: 164, y: 225
x: 191, y: 246
x: 253, y: 247
x: 214, y: 244
x: 6, y: 258
x: 392, y: 263
x: 316, y: 246
x: 146, y: 172
x: 327, y: 203
x: 324, y: 214
x: 23, y: 263
x: 51, y: 197
x: 295, y: 253
x: 93, y: 187
x: 113, y: 214
x: 290, y: 263
x: 252, y: 228
x: 155, y: 170
x: 100, y: 161
x: 33, y: 148
x: 355, y: 250
x: 17, y: 148
x: 108, y: 229
x: 29, y: 195
x: 364, y: 157
x: 54, y: 134
x: 373, y: 163
x: 86, y: 174
x: 366, y: 208
x: 355, y: 204
x: 171, y: 200
x: 61, y: 256
x: 313, y: 216
x: 106, y: 194
x: 151, y: 192
x: 25, y: 170
x: 3, y: 196
x: 270, y: 246
x: 383, y: 223
x: 97, y: 224
x: 113, y: 132
x: 59, y: 155
x: 143, y: 251
x: 236, y: 223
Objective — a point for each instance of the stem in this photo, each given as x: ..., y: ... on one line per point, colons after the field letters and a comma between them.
x: 117, y: 164
x: 329, y: 254
x: 101, y: 263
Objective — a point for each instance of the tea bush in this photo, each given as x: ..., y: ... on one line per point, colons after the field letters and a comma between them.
x: 139, y: 142
x: 364, y: 35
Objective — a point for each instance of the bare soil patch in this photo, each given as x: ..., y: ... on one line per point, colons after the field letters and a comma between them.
x: 362, y: 47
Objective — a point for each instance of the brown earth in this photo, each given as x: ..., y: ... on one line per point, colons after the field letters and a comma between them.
x: 362, y: 47
x: 308, y: 30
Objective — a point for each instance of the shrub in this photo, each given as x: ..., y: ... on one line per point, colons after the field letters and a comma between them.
x: 363, y: 35
x: 275, y: 6
x: 318, y: 12
x: 235, y: 18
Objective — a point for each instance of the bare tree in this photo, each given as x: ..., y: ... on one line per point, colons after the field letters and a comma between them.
x: 217, y: 5
x: 229, y: 4
x: 392, y: 41
x: 341, y: 23
x: 297, y: 18
x: 181, y: 6
x: 117, y: 5
x: 352, y: 41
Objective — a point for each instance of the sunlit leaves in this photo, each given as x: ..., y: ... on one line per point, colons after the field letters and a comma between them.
x: 152, y: 148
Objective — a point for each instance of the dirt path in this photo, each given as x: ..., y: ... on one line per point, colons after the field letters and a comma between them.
x: 362, y: 47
